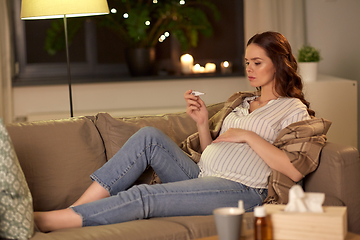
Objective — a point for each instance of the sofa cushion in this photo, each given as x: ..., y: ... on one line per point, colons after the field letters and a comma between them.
x: 57, y: 157
x: 116, y: 131
x: 16, y: 212
x: 138, y: 229
x: 169, y: 228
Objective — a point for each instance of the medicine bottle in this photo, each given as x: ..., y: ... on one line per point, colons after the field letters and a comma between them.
x: 262, y: 224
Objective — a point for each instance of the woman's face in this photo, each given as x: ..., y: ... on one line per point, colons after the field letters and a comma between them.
x: 259, y: 67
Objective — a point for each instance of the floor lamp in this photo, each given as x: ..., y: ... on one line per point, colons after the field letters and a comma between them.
x: 49, y: 9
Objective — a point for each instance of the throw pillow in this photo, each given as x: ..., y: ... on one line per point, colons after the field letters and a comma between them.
x: 16, y: 210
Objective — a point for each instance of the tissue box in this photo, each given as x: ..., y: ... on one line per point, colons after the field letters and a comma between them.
x: 331, y: 224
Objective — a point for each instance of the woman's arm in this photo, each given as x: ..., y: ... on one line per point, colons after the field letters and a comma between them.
x: 274, y: 157
x: 196, y: 109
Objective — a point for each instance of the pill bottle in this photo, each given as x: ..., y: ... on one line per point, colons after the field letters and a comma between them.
x: 262, y: 224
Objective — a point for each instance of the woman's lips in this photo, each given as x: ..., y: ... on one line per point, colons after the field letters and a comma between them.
x: 251, y: 78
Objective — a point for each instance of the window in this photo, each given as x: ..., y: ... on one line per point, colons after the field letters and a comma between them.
x: 97, y: 55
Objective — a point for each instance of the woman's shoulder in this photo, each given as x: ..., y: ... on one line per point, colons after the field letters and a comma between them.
x: 295, y: 109
x: 296, y: 102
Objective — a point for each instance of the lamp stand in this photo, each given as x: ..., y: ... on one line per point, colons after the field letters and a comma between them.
x: 68, y: 66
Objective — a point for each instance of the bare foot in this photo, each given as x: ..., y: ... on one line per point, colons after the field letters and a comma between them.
x: 55, y: 220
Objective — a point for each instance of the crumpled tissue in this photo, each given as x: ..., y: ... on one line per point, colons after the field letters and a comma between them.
x: 299, y: 201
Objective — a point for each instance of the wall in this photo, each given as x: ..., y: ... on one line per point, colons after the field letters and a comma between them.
x: 333, y: 27
x: 120, y: 98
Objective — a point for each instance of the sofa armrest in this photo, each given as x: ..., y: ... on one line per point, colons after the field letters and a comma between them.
x: 338, y: 176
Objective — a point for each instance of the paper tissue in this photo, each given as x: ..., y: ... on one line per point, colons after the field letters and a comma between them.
x: 299, y: 201
x: 304, y: 217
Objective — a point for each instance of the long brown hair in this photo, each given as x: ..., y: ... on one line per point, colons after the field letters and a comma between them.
x: 287, y: 81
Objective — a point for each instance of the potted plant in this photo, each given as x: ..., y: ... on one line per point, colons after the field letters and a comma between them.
x: 308, y: 58
x: 141, y: 24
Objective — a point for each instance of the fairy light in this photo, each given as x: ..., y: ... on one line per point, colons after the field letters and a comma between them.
x: 126, y: 15
x: 164, y: 36
x: 113, y: 10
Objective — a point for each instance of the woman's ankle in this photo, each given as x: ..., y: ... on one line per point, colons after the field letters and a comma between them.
x: 58, y: 219
x: 40, y: 221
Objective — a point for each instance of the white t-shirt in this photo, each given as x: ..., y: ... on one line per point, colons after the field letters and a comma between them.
x: 237, y: 161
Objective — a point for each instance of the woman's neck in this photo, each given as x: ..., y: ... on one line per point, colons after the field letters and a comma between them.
x: 268, y: 95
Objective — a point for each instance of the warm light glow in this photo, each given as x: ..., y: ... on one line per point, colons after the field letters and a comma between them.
x: 210, y: 67
x: 113, y: 10
x: 226, y: 67
x: 187, y: 62
x: 198, y: 69
x: 126, y: 15
x: 147, y: 23
x: 182, y: 2
x: 162, y: 38
x: 45, y: 9
x: 155, y: 1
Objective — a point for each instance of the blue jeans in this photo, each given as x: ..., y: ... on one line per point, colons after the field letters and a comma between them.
x: 181, y: 193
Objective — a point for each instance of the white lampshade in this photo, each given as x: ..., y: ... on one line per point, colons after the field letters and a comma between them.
x: 45, y: 9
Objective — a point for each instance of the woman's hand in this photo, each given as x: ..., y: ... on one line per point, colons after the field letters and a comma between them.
x: 195, y: 108
x: 236, y: 135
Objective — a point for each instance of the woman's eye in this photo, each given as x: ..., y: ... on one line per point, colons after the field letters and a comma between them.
x: 257, y: 63
x: 247, y: 63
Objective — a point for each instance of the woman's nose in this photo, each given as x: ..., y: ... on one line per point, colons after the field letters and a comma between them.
x: 248, y: 68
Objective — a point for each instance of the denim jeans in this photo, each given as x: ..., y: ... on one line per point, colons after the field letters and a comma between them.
x: 181, y: 193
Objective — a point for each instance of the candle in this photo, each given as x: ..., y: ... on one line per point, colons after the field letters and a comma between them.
x: 210, y: 67
x: 187, y: 62
x: 198, y: 69
x: 226, y: 67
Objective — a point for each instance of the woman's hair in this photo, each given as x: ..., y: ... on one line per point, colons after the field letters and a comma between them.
x: 287, y: 81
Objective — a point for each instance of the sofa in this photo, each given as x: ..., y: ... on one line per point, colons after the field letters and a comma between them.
x: 57, y: 157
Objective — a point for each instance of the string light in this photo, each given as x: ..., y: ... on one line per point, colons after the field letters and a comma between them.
x: 164, y: 36
x: 147, y: 23
x: 113, y: 10
x: 182, y: 2
x: 126, y: 15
